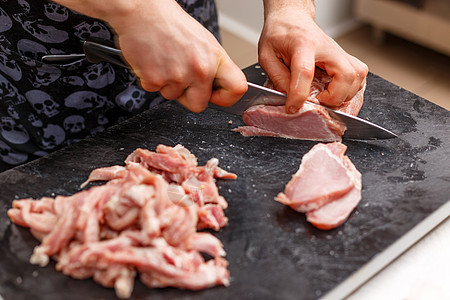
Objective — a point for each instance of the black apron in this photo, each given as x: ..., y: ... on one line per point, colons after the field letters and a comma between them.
x: 46, y: 107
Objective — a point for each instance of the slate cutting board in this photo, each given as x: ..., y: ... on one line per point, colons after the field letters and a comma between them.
x: 273, y: 252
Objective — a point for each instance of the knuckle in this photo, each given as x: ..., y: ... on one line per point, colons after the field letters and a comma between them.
x: 155, y: 81
x: 364, y: 70
x: 350, y: 76
x: 306, y: 72
x: 197, y: 106
x: 202, y: 71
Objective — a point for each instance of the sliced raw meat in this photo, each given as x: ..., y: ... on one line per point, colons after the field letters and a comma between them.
x: 144, y: 219
x: 327, y: 186
x: 311, y: 122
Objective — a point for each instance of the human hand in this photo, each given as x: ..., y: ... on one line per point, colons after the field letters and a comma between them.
x: 290, y: 47
x: 169, y: 51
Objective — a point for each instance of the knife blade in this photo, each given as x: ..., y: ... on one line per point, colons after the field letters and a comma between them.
x: 98, y: 50
x: 357, y: 128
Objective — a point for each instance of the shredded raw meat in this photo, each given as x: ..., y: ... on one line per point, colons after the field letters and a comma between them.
x: 311, y: 122
x: 143, y: 220
x: 327, y: 186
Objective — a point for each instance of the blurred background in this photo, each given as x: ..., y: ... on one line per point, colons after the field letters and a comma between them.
x: 404, y: 41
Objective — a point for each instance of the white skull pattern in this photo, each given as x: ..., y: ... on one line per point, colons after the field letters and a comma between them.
x: 10, y: 92
x: 5, y: 21
x: 43, y: 103
x: 34, y: 120
x: 10, y: 157
x: 13, y: 112
x: 74, y: 124
x: 5, y: 45
x: 10, y: 67
x: 86, y: 99
x: 54, y: 135
x: 131, y: 99
x: 45, y: 33
x: 13, y: 132
x: 86, y: 30
x: 72, y: 80
x: 44, y: 75
x: 31, y: 49
x: 24, y: 5
x: 99, y: 75
x: 102, y: 119
x: 56, y: 12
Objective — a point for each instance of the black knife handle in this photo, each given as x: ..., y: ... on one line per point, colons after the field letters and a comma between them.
x: 98, y: 50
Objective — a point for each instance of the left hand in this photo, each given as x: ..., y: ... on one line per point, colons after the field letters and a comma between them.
x: 292, y: 45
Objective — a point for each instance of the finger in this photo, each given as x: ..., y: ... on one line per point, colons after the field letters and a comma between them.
x: 361, y: 70
x: 196, y: 97
x: 302, y: 75
x: 149, y: 86
x: 276, y: 70
x: 172, y: 91
x: 231, y: 83
x: 342, y: 78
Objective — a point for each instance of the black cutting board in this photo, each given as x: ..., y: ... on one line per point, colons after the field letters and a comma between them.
x: 273, y: 252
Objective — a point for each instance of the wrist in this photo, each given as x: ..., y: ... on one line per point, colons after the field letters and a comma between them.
x: 304, y: 7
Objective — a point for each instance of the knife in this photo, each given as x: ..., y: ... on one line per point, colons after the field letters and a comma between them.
x: 357, y: 128
x: 98, y: 50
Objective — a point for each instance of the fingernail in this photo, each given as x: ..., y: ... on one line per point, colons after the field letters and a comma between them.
x: 292, y: 109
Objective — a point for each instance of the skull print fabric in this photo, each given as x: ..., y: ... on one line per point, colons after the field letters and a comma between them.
x: 46, y: 107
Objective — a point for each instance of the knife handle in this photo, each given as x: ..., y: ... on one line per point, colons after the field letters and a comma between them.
x: 95, y: 50
x: 98, y: 50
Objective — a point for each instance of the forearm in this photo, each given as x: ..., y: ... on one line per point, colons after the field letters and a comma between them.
x: 107, y: 10
x: 307, y: 6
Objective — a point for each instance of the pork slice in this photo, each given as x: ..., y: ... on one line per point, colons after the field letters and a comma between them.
x: 178, y: 223
x: 178, y: 151
x: 336, y: 212
x: 29, y: 213
x: 37, y: 206
x: 159, y: 258
x: 311, y: 122
x: 213, y: 272
x: 321, y: 178
x: 106, y: 174
x: 123, y: 209
x: 206, y: 243
x: 166, y: 162
x: 63, y: 231
x: 211, y: 216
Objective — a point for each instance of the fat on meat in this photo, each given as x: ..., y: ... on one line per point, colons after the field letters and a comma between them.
x: 311, y: 122
x: 144, y: 220
x: 327, y: 186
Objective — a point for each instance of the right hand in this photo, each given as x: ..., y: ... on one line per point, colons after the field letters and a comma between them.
x: 172, y: 53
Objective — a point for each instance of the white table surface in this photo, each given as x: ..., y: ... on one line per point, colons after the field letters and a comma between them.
x: 421, y: 273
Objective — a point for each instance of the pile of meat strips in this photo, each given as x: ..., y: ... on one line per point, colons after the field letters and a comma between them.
x: 144, y: 220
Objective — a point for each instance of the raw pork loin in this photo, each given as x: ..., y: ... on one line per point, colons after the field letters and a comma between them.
x: 311, y: 122
x: 327, y: 186
x: 144, y: 219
